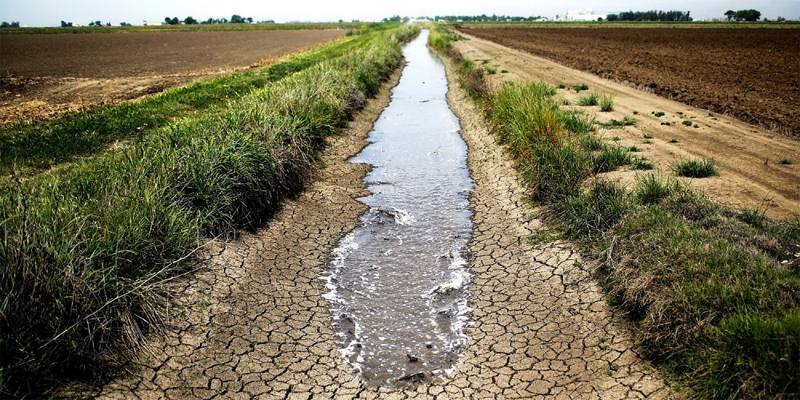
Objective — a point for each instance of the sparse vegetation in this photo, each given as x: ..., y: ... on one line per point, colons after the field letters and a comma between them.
x: 694, y: 168
x: 580, y: 87
x: 625, y: 121
x: 588, y: 100
x: 659, y: 114
x: 607, y: 103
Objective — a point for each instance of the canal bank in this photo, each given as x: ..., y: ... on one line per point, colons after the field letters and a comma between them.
x: 255, y: 324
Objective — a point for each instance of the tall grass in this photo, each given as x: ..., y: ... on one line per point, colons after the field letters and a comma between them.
x: 30, y: 147
x: 83, y: 249
x: 713, y: 295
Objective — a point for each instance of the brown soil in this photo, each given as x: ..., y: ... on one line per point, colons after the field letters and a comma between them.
x: 253, y: 324
x: 752, y: 74
x: 43, y: 76
x: 749, y: 157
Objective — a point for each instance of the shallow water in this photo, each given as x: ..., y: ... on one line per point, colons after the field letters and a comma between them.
x: 397, y: 282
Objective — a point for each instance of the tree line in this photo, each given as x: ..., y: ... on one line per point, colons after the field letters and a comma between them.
x: 235, y: 19
x: 743, y: 15
x: 652, y: 15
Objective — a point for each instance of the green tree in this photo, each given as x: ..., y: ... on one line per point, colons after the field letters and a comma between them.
x: 237, y: 19
x: 730, y: 14
x: 171, y: 21
x: 190, y: 21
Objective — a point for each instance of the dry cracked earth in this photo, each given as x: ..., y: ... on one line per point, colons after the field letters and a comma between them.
x: 253, y: 324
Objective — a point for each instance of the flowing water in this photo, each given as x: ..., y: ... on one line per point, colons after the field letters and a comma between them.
x: 397, y: 282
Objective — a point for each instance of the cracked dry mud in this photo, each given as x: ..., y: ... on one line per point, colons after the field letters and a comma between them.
x: 253, y: 324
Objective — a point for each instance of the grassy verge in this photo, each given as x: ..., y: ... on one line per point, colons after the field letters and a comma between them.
x: 29, y: 147
x: 713, y: 294
x: 84, y: 248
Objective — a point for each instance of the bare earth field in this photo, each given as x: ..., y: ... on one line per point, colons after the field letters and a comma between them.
x: 752, y: 74
x: 44, y: 75
x: 750, y: 175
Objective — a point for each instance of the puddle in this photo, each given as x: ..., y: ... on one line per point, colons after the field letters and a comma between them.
x: 397, y: 284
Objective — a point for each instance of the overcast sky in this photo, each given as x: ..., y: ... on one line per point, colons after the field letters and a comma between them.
x: 51, y: 12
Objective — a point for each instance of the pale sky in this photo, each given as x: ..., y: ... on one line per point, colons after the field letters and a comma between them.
x: 51, y: 12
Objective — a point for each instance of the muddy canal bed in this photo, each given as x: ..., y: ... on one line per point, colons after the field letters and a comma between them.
x: 397, y: 283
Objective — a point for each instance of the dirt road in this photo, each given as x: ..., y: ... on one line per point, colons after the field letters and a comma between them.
x: 45, y: 75
x: 254, y: 324
x: 751, y: 173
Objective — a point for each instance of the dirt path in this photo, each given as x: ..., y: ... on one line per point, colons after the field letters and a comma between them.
x: 751, y: 174
x: 254, y: 323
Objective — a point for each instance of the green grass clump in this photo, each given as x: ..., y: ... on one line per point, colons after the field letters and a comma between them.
x: 84, y: 247
x: 641, y: 163
x: 589, y: 214
x: 687, y: 123
x: 591, y: 143
x: 588, y: 100
x: 693, y: 168
x: 491, y: 70
x: 609, y: 158
x: 576, y: 121
x: 786, y: 161
x: 625, y: 121
x: 659, y: 114
x: 650, y: 189
x: 606, y: 103
x: 647, y: 136
x: 503, y: 71
x: 580, y: 87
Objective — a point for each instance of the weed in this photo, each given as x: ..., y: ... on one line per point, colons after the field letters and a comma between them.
x: 626, y: 121
x: 694, y: 168
x: 610, y: 158
x: 647, y: 136
x: 591, y: 213
x: 647, y: 141
x: 580, y: 87
x: 562, y: 86
x: 607, y: 103
x: 542, y: 237
x: 588, y: 100
x: 641, y: 163
x: 687, y: 123
x: 491, y: 70
x: 786, y: 161
x: 503, y: 71
x: 576, y: 122
x: 666, y: 123
x: 650, y: 189
x: 591, y: 143
x: 673, y: 140
x: 659, y: 114
x: 615, y: 139
x: 633, y: 149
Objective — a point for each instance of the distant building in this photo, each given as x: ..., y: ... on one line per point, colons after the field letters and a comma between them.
x: 584, y: 14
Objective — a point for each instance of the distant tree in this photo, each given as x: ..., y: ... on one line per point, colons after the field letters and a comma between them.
x: 108, y: 23
x: 12, y: 24
x: 748, y: 15
x: 65, y: 24
x: 237, y: 19
x: 190, y: 21
x: 124, y: 24
x: 171, y: 21
x: 730, y: 14
x: 653, y: 15
x: 249, y: 20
